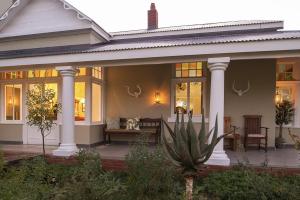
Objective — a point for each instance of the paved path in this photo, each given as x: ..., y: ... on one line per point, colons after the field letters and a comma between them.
x: 288, y: 158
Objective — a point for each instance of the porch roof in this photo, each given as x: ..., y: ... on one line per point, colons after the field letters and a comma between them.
x: 155, y: 42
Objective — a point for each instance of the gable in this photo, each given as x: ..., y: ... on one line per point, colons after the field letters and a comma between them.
x: 43, y: 16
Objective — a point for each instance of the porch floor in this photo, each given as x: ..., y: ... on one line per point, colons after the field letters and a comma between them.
x: 287, y: 158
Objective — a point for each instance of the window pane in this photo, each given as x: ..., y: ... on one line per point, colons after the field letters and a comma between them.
x: 181, y: 96
x: 17, y: 102
x: 185, y: 70
x: 53, y: 86
x: 13, y: 102
x: 96, y: 103
x: 195, y: 97
x: 79, y: 101
x: 9, y: 102
x: 192, y: 73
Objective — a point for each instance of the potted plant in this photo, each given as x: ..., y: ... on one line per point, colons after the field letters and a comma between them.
x: 284, y: 116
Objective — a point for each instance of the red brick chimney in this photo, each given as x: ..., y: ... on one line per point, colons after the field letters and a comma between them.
x: 152, y: 17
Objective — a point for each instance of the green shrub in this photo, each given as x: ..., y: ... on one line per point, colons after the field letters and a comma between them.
x: 149, y: 174
x: 247, y: 184
x: 2, y: 162
x: 88, y: 181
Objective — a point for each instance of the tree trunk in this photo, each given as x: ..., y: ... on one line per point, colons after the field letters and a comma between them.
x: 44, y: 152
x: 189, y: 181
x: 280, y: 131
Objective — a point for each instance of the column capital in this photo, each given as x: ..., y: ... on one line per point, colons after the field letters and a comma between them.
x: 220, y: 63
x: 67, y: 70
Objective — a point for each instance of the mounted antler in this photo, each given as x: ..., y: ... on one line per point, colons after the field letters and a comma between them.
x: 240, y: 92
x: 135, y: 94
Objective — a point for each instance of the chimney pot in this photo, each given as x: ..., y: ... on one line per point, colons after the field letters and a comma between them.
x: 152, y: 17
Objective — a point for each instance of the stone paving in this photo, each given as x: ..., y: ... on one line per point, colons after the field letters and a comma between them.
x: 287, y: 158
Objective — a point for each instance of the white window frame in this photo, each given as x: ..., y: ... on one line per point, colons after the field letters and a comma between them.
x: 174, y: 81
x: 13, y: 121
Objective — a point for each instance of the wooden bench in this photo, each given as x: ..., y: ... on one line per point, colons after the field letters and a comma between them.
x: 147, y: 125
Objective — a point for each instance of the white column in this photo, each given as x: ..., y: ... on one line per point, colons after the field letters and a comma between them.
x: 297, y: 106
x: 67, y: 146
x: 217, y: 66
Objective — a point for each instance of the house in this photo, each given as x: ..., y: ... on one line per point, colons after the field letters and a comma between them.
x: 52, y: 42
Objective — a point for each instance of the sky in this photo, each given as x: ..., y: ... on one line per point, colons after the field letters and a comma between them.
x: 119, y: 15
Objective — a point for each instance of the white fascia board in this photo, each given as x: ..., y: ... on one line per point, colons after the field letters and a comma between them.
x: 160, y: 53
x: 247, y: 27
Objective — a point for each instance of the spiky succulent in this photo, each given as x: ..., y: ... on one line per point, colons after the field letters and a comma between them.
x: 185, y: 148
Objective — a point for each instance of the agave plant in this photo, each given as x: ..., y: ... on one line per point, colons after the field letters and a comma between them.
x: 187, y: 149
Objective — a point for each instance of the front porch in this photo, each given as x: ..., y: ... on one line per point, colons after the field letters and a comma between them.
x: 280, y: 158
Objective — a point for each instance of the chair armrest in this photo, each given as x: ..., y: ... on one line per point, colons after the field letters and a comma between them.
x: 266, y: 130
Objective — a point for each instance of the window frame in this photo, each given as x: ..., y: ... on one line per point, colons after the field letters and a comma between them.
x: 13, y: 121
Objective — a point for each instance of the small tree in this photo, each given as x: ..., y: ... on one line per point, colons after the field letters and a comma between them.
x: 189, y: 150
x: 284, y: 116
x: 42, y: 111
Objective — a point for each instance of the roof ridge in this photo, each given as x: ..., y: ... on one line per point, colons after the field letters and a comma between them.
x: 161, y: 29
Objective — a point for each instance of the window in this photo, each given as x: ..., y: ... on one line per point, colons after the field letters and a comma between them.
x: 186, y: 70
x: 97, y: 72
x: 52, y: 86
x: 82, y: 71
x: 188, y: 96
x: 42, y: 73
x: 79, y: 103
x: 96, y: 102
x: 11, y: 75
x: 187, y: 87
x: 13, y: 102
x: 284, y: 72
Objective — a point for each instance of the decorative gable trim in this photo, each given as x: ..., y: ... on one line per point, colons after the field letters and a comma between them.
x: 20, y: 4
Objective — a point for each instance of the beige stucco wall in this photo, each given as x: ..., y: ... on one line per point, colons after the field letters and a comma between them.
x: 11, y: 133
x: 259, y: 100
x: 49, y: 41
x: 150, y: 78
x: 88, y: 134
x: 4, y: 5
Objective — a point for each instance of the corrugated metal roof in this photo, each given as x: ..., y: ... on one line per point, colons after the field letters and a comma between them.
x: 195, y: 26
x: 217, y: 39
x: 155, y: 43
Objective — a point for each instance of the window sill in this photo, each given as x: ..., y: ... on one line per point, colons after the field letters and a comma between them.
x: 12, y: 122
x: 196, y: 119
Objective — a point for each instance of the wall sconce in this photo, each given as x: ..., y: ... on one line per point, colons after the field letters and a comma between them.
x: 157, y: 97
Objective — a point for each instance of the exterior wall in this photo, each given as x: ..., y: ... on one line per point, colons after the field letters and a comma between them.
x: 88, y: 134
x: 50, y: 41
x: 11, y: 133
x: 259, y: 100
x: 4, y: 5
x: 150, y: 78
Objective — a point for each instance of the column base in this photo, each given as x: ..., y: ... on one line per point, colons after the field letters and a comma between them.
x: 66, y: 150
x: 218, y: 158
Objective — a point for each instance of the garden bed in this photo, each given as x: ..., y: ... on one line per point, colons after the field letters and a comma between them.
x: 144, y: 176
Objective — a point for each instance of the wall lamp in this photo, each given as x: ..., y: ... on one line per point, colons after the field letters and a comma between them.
x: 157, y: 97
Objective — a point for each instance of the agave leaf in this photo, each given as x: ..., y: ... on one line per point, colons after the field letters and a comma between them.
x: 169, y: 129
x: 170, y: 147
x: 194, y: 142
x: 173, y: 157
x: 201, y: 135
x: 215, y: 134
x: 208, y: 135
x: 181, y: 138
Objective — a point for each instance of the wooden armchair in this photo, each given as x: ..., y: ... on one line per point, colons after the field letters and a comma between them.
x: 231, y: 141
x: 254, y: 133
